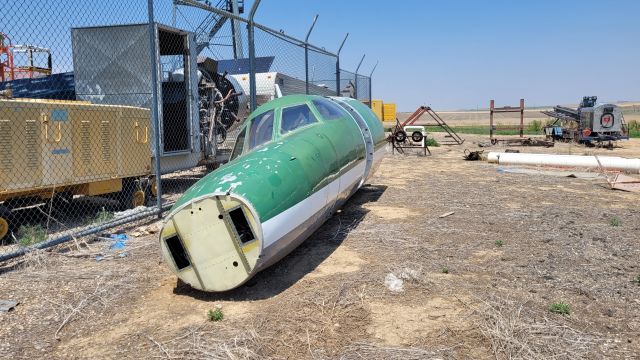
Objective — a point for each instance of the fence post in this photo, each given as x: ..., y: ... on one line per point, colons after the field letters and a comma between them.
x: 155, y: 123
x: 338, y: 65
x: 370, y: 82
x: 252, y: 56
x: 355, y: 85
x: 306, y: 55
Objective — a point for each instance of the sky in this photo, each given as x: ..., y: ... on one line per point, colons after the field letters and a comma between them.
x: 452, y: 54
x: 460, y: 54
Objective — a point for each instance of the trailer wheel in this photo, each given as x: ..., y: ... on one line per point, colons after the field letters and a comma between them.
x: 7, y: 225
x: 150, y: 190
x: 416, y: 136
x: 400, y: 136
x: 132, y: 195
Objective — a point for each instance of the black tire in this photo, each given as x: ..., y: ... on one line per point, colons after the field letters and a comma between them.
x: 60, y: 202
x: 416, y: 136
x: 400, y: 136
x: 146, y: 184
x: 131, y: 195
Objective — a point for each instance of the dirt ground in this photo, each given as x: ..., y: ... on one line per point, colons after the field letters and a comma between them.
x: 476, y: 284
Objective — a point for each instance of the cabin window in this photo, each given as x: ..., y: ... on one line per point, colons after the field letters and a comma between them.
x: 296, y: 116
x: 328, y: 109
x: 261, y: 129
x: 239, y: 146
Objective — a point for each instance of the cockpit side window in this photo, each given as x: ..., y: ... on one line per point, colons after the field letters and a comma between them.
x: 261, y: 129
x: 239, y: 146
x: 328, y: 109
x: 296, y: 116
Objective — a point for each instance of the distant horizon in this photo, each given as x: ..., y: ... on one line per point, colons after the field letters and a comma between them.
x: 532, y: 107
x: 460, y: 54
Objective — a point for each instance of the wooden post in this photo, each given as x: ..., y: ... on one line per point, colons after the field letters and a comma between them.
x: 491, y: 105
x: 521, y: 117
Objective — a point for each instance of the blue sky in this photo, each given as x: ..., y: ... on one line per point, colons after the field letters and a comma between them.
x: 461, y: 54
x: 447, y: 54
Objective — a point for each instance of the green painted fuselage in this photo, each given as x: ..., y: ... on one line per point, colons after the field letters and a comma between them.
x: 289, y: 185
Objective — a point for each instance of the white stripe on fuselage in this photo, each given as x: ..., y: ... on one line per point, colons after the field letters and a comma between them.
x: 277, y: 227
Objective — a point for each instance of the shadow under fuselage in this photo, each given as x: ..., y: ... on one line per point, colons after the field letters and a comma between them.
x: 301, y: 261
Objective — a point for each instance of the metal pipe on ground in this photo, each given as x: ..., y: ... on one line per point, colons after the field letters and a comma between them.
x: 552, y: 160
x: 90, y: 231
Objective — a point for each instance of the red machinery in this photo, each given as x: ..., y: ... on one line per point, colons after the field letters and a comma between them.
x: 415, y: 116
x: 8, y: 69
x: 400, y: 139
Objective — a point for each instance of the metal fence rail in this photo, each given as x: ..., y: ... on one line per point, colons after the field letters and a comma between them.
x: 111, y: 110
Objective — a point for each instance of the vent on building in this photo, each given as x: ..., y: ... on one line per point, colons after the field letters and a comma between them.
x: 85, y: 142
x: 31, y: 143
x: 105, y: 140
x: 6, y: 152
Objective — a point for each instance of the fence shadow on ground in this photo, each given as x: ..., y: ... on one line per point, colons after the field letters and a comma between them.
x: 303, y: 260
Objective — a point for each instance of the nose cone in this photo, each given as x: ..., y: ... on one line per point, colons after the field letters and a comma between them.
x: 212, y: 243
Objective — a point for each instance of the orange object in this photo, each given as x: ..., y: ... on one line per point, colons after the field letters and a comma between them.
x: 10, y: 71
x: 6, y: 58
x: 586, y: 132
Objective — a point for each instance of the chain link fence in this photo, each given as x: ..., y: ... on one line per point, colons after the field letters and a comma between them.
x: 111, y: 110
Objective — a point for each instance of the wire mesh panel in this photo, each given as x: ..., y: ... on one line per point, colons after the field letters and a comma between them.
x: 280, y: 66
x: 363, y: 88
x: 103, y: 111
x: 75, y: 125
x: 347, y: 83
x: 322, y: 73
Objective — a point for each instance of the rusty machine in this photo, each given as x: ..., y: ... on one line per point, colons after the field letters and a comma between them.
x: 410, y: 134
x: 590, y: 124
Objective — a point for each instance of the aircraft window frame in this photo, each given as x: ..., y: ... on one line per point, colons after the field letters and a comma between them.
x: 260, y: 120
x: 234, y: 154
x: 328, y: 104
x: 312, y: 120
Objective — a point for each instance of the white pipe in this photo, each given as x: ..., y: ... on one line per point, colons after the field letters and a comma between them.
x: 608, y: 162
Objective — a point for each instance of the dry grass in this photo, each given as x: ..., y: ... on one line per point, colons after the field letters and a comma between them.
x: 377, y: 351
x: 516, y: 331
x: 328, y: 300
x: 205, y: 342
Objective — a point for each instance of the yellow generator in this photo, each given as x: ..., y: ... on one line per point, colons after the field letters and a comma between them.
x: 376, y: 107
x: 384, y: 111
x: 389, y: 112
x: 53, y: 150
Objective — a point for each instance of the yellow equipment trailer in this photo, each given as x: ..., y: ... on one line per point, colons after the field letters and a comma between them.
x: 51, y: 148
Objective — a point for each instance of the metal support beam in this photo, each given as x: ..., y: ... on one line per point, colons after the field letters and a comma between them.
x: 338, y: 65
x: 306, y: 54
x: 238, y: 48
x: 155, y: 121
x: 252, y: 56
x: 355, y: 85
